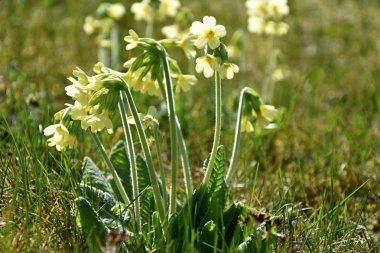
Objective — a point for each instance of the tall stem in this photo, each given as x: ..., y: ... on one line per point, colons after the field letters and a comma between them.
x: 114, y: 46
x: 235, y: 149
x: 173, y: 132
x: 132, y: 158
x: 218, y: 124
x: 149, y: 28
x: 147, y: 153
x: 161, y: 166
x: 185, y: 160
x: 111, y: 168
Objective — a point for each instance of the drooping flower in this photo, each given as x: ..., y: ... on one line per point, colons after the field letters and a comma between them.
x: 278, y: 8
x: 269, y: 112
x: 90, y: 25
x: 246, y: 125
x: 77, y: 91
x: 208, y: 32
x: 142, y: 11
x: 132, y: 40
x: 256, y: 25
x: 276, y: 28
x: 150, y: 86
x: 116, y: 11
x: 184, y: 82
x: 61, y: 138
x: 227, y: 70
x: 256, y: 8
x: 97, y: 122
x: 206, y: 64
x: 169, y: 8
x: 171, y: 31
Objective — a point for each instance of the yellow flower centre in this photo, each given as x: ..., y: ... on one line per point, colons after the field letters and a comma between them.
x: 209, y: 33
x: 275, y: 8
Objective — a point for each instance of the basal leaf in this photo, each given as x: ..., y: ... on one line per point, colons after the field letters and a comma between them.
x: 208, y: 238
x: 94, y: 230
x: 121, y: 162
x: 93, y: 177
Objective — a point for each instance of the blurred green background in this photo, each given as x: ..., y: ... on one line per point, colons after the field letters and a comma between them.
x: 327, y: 143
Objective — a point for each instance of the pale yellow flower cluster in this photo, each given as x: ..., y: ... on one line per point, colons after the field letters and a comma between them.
x: 94, y: 116
x: 107, y: 15
x: 265, y: 16
x: 147, y: 10
x: 266, y: 114
x: 208, y: 35
x: 145, y: 77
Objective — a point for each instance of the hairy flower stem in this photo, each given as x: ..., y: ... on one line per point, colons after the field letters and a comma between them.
x: 218, y: 124
x: 111, y: 168
x: 235, y: 148
x: 149, y: 28
x: 132, y: 158
x: 161, y: 166
x: 173, y: 132
x: 114, y: 34
x: 184, y: 154
x: 185, y: 160
x: 148, y: 156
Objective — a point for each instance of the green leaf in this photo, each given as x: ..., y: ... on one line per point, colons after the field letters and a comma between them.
x: 231, y: 222
x: 93, y: 177
x: 217, y: 187
x: 94, y: 230
x: 143, y: 173
x: 208, y: 238
x: 147, y: 207
x: 158, y: 232
x: 121, y: 163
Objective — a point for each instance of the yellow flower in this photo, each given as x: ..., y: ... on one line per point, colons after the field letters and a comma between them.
x: 227, y: 70
x: 142, y: 11
x: 256, y: 25
x: 276, y: 28
x: 97, y: 122
x: 171, y: 31
x: 169, y: 8
x: 207, y: 32
x: 246, y: 125
x: 77, y: 91
x: 90, y: 25
x: 61, y: 138
x: 256, y: 8
x: 184, y: 82
x: 132, y: 40
x: 150, y: 86
x: 79, y: 111
x: 278, y: 8
x: 116, y: 11
x: 269, y: 112
x: 206, y: 64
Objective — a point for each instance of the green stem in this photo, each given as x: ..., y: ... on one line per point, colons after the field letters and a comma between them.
x: 132, y: 158
x: 235, y: 149
x: 115, y: 47
x: 185, y: 160
x: 111, y: 168
x: 161, y: 166
x: 147, y: 153
x: 218, y: 124
x: 149, y: 28
x: 173, y: 131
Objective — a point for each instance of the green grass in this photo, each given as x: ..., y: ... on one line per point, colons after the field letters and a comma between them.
x: 319, y: 172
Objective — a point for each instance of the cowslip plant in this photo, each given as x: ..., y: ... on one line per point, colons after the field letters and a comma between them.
x: 130, y: 198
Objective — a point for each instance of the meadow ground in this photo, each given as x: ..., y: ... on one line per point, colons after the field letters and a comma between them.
x: 319, y: 171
